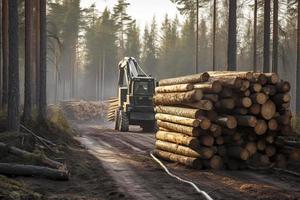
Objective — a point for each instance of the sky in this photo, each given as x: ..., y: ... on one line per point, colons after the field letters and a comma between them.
x: 141, y: 10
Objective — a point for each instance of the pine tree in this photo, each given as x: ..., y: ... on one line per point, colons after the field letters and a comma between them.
x: 267, y: 10
x: 231, y: 47
x: 298, y: 64
x: 275, y: 36
x: 133, y: 44
x: 5, y: 52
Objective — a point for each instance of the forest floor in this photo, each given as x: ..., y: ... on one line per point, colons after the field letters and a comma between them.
x: 107, y: 164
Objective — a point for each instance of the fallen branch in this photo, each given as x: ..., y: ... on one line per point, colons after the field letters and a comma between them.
x: 27, y: 155
x: 31, y: 170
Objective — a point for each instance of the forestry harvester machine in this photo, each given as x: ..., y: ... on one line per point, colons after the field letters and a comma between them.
x: 135, y: 97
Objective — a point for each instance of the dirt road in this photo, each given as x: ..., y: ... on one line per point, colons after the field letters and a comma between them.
x: 125, y: 157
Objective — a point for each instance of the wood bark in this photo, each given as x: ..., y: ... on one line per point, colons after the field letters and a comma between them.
x: 232, y: 34
x: 266, y: 56
x: 5, y: 53
x: 275, y: 37
x: 178, y: 138
x: 283, y: 86
x: 225, y: 104
x: 177, y: 119
x: 201, y: 104
x: 179, y: 111
x: 201, y: 152
x: 196, y: 78
x: 246, y: 120
x: 255, y: 36
x: 211, y: 97
x: 226, y: 121
x: 229, y: 81
x: 43, y: 63
x: 31, y: 170
x: 298, y: 64
x: 238, y: 152
x: 178, y: 98
x: 28, y: 61
x: 13, y: 121
x: 188, y: 161
x: 242, y: 75
x: 174, y: 88
x: 191, y: 131
x: 212, y: 87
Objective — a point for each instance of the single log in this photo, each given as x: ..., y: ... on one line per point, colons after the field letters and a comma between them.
x: 246, y: 120
x: 281, y: 98
x: 272, y: 78
x: 270, y: 150
x: 259, y: 98
x: 245, y: 102
x: 201, y: 152
x: 245, y: 85
x: 226, y: 93
x: 242, y: 75
x: 268, y: 110
x: 195, y: 78
x: 178, y: 138
x: 177, y: 119
x: 226, y: 121
x: 251, y: 147
x: 177, y: 98
x: 179, y: 111
x: 286, y: 130
x: 191, y: 131
x: 39, y: 158
x: 283, y: 86
x: 211, y: 97
x: 210, y: 87
x: 270, y: 137
x: 255, y: 109
x: 174, y: 88
x: 219, y: 140
x: 229, y: 81
x: 240, y: 111
x: 202, y: 105
x: 247, y: 93
x: 238, y: 152
x: 269, y: 90
x: 216, y: 130
x: 255, y: 87
x: 206, y: 140
x: 32, y: 170
x: 260, y: 78
x: 273, y: 125
x: 260, y: 160
x: 216, y: 163
x: 261, y: 145
x: 225, y: 104
x: 261, y: 127
x: 204, y: 123
x: 187, y: 161
x: 284, y: 119
x: 222, y: 150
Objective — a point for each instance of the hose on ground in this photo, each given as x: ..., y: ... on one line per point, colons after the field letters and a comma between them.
x: 206, y: 196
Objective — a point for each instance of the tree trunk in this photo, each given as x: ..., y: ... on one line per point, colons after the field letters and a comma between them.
x: 183, y: 112
x: 231, y: 50
x: 37, y: 52
x: 214, y: 34
x: 196, y: 78
x: 178, y: 98
x: 43, y: 62
x: 255, y: 37
x: 275, y: 36
x: 267, y: 10
x: 31, y: 170
x: 298, y: 64
x: 5, y: 52
x: 13, y: 80
x: 28, y: 61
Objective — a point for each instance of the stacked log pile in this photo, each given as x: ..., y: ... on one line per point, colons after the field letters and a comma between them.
x: 224, y: 120
x: 112, y: 107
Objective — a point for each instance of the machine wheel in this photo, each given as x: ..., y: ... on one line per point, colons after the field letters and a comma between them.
x: 117, y: 120
x: 149, y: 127
x: 123, y: 122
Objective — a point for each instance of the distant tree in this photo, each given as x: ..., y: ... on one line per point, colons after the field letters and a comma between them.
x: 123, y: 21
x: 214, y: 35
x: 28, y: 61
x: 275, y: 36
x: 150, y: 50
x: 255, y: 36
x: 267, y: 10
x: 298, y: 64
x: 232, y: 34
x: 43, y: 62
x: 133, y: 44
x: 5, y: 50
x: 37, y: 52
x: 13, y: 80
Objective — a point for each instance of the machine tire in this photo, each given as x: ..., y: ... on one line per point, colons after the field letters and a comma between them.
x: 117, y: 120
x: 149, y: 127
x: 123, y: 122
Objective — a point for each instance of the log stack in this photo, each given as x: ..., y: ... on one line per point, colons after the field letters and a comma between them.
x: 112, y: 107
x: 223, y: 120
